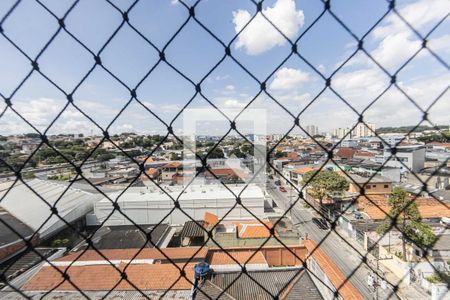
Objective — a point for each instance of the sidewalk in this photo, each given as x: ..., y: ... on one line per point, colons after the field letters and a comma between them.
x: 405, y: 290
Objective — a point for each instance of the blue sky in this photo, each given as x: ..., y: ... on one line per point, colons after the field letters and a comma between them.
x: 194, y: 52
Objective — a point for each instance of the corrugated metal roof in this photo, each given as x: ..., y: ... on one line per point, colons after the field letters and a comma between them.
x: 304, y: 289
x: 210, y: 291
x: 24, y: 204
x: 248, y: 286
x: 192, y: 229
x: 6, y: 235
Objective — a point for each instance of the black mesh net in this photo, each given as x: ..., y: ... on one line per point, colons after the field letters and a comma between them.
x: 94, y: 59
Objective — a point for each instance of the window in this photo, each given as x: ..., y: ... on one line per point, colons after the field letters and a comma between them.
x: 386, y: 186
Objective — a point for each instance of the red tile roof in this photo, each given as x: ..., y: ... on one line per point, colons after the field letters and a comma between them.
x: 303, y: 170
x: 210, y: 219
x: 428, y: 207
x: 105, y: 277
x: 346, y: 153
x: 254, y: 229
x: 293, y: 156
x: 225, y: 172
x: 172, y: 165
x: 219, y: 257
x: 364, y: 153
x: 334, y: 274
x: 152, y: 173
x: 149, y: 160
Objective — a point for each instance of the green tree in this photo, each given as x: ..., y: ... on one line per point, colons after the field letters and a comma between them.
x: 216, y: 153
x: 443, y: 137
x: 175, y: 156
x: 238, y: 153
x: 247, y: 149
x: 280, y: 154
x: 318, y: 136
x: 405, y: 214
x: 324, y: 182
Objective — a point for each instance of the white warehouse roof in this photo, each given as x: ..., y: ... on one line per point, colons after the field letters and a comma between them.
x: 25, y: 205
x: 145, y: 206
x: 197, y: 192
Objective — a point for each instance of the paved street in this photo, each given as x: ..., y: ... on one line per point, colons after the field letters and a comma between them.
x: 341, y: 253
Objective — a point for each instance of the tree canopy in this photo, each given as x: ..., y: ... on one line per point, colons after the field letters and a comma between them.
x: 324, y: 182
x: 405, y: 214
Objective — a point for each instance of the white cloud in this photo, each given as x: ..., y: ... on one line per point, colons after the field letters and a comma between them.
x: 288, y: 79
x: 394, y: 44
x: 395, y: 49
x: 321, y: 68
x: 228, y: 90
x: 233, y: 103
x: 221, y: 77
x: 167, y: 108
x: 126, y: 127
x: 260, y: 36
x: 149, y: 105
x: 40, y: 111
x: 419, y: 14
x: 397, y: 42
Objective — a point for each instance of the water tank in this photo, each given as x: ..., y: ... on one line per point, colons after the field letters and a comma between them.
x: 201, y: 269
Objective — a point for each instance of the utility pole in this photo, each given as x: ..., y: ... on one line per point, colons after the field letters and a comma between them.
x: 378, y: 280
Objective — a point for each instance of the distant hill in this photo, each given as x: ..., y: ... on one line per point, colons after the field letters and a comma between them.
x: 406, y: 129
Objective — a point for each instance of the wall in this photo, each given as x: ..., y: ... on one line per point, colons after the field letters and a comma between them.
x: 284, y: 257
x: 321, y: 281
x: 152, y: 211
x: 373, y: 188
x: 395, y: 265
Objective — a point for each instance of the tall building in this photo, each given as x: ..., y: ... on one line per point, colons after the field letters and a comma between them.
x: 312, y: 130
x: 363, y: 130
x: 341, y: 132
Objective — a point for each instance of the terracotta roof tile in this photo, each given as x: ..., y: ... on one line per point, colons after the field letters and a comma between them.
x: 303, y: 170
x: 221, y: 258
x: 293, y: 156
x: 105, y: 277
x: 149, y: 160
x: 254, y: 229
x: 152, y: 173
x: 210, y: 219
x: 428, y: 207
x: 364, y: 153
x: 172, y: 165
x: 346, y: 153
x: 334, y: 274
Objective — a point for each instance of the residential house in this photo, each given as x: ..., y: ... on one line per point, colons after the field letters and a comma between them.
x: 170, y: 169
x: 345, y: 153
x: 327, y: 276
x: 376, y: 185
x: 296, y: 175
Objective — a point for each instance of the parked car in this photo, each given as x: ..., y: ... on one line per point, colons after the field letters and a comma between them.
x: 277, y: 182
x: 321, y: 223
x: 357, y: 215
x: 282, y: 189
